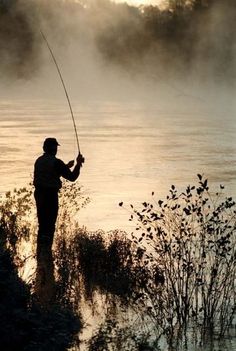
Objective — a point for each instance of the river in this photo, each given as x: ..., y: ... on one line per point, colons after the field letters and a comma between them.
x: 131, y: 149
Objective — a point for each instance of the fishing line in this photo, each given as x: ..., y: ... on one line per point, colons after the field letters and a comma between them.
x: 64, y: 87
x: 177, y: 89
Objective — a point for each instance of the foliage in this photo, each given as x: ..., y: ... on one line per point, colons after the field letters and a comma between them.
x: 176, y: 270
x: 16, y: 220
x: 189, y: 247
x: 105, y: 270
x: 98, y: 262
x: 72, y: 198
x: 112, y: 336
x: 18, y: 216
x: 24, y: 324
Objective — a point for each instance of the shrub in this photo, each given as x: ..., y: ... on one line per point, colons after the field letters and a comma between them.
x: 177, y: 269
x: 188, y: 242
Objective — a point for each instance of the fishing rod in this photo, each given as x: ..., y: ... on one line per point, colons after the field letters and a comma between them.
x: 64, y: 87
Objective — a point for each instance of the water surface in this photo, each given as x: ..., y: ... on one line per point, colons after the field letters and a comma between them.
x: 131, y: 149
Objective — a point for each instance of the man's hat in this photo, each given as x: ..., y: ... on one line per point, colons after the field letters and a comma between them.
x: 50, y: 142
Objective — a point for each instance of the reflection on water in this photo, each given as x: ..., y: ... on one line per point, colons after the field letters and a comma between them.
x: 131, y: 149
x: 193, y: 343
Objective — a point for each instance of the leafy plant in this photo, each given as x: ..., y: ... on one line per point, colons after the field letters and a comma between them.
x: 176, y: 270
x: 72, y: 199
x: 188, y: 244
x: 16, y: 220
x: 25, y: 324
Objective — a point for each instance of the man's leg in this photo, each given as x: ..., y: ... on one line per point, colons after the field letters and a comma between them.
x: 47, y: 209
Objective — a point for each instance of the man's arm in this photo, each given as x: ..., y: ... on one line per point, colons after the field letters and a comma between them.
x: 64, y: 170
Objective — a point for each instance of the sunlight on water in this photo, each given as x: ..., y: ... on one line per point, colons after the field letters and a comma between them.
x: 131, y: 149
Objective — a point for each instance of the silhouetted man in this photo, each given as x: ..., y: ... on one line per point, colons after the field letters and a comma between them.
x: 47, y: 173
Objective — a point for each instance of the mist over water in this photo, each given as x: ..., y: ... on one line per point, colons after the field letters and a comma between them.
x: 107, y: 41
x: 152, y: 92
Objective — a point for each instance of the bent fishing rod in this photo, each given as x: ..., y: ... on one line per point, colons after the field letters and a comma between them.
x: 64, y: 87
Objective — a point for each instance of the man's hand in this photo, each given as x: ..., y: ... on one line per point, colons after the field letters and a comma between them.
x: 80, y: 159
x: 70, y: 163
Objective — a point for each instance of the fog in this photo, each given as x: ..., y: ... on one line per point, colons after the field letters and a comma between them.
x: 116, y: 51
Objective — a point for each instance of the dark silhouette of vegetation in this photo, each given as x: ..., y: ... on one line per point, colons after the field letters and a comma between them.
x: 188, y: 243
x: 177, y: 270
x: 104, y: 270
x: 102, y: 263
x: 25, y: 324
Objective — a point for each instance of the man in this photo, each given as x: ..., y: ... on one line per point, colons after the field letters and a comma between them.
x: 47, y: 173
